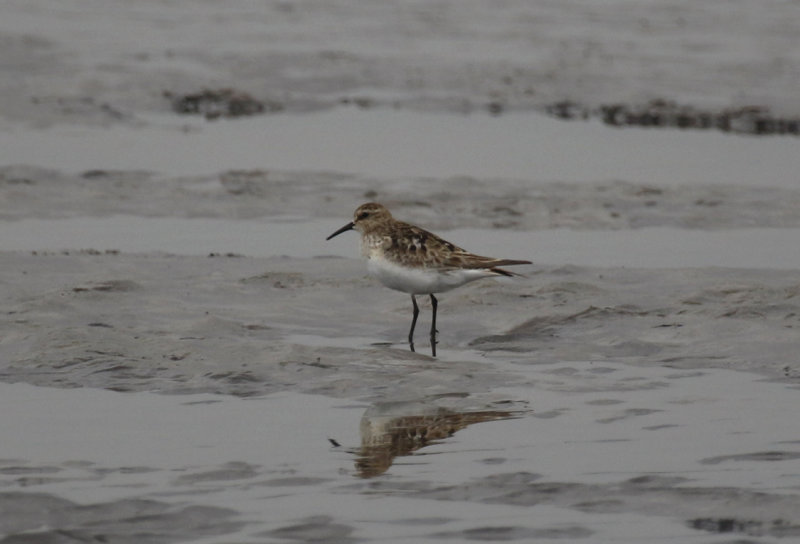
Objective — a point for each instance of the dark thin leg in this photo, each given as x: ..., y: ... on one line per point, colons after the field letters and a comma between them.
x: 434, y: 303
x: 413, y: 323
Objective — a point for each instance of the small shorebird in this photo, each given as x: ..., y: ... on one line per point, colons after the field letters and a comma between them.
x: 407, y: 258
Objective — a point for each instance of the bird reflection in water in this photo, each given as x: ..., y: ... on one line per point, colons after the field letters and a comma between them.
x: 392, y: 430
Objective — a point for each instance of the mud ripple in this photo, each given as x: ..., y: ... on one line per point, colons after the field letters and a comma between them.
x: 127, y: 521
x: 768, y: 456
x: 315, y: 529
x: 506, y: 533
x: 646, y: 494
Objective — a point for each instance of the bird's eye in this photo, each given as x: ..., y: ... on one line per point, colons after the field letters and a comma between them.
x: 363, y: 215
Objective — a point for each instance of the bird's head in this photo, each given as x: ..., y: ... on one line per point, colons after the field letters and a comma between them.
x: 365, y: 217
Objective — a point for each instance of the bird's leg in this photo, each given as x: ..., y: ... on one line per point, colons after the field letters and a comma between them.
x: 413, y: 323
x: 434, y: 303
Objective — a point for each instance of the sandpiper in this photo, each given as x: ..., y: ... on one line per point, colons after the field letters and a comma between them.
x: 410, y: 259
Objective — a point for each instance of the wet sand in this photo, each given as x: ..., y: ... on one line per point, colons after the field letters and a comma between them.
x: 184, y: 358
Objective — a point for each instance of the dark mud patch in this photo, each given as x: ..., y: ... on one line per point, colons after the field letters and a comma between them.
x: 216, y: 103
x: 751, y: 120
x: 776, y: 528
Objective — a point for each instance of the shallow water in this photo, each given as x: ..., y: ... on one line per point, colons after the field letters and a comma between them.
x: 583, y: 426
x: 403, y: 144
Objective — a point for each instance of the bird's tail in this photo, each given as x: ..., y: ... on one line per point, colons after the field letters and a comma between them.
x: 506, y: 262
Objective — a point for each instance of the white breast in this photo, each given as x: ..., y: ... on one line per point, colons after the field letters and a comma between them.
x: 420, y: 281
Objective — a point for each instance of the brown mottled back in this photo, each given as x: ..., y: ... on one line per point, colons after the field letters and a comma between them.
x: 409, y: 245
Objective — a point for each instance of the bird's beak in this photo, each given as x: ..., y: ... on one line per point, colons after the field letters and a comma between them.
x: 345, y: 228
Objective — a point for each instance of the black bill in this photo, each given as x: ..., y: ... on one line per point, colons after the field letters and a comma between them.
x: 345, y: 228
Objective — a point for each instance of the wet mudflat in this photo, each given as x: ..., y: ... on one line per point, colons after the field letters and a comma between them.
x: 184, y: 358
x: 600, y: 408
